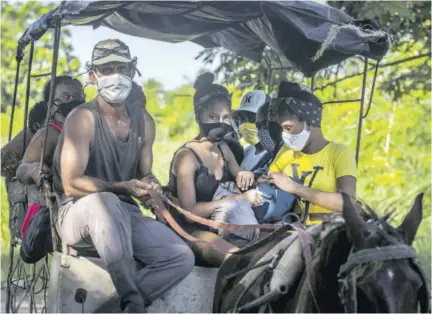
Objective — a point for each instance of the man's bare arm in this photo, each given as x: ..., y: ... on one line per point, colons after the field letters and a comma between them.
x: 146, y: 155
x: 79, y: 131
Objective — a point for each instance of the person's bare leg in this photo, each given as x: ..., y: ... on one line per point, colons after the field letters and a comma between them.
x: 216, y: 251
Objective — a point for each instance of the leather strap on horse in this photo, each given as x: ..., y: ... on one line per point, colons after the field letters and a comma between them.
x: 347, y: 276
x: 164, y: 215
x: 391, y: 252
x: 307, y: 255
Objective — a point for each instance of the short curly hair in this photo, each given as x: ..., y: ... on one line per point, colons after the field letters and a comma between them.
x: 37, y: 116
x: 62, y: 79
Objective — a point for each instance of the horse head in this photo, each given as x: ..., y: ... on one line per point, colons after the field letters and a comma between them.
x: 381, y: 273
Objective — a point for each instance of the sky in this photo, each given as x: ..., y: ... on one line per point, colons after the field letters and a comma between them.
x: 165, y: 62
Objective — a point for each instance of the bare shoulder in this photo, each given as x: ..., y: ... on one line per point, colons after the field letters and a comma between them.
x: 80, y: 122
x: 184, y: 161
x: 53, y: 134
x: 148, y: 119
x: 149, y: 127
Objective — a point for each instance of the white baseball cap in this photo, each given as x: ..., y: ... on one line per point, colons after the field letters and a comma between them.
x: 252, y: 101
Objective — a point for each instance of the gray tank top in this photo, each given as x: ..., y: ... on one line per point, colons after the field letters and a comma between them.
x: 110, y: 159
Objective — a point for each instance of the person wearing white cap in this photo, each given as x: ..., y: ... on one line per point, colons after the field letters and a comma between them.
x: 246, y: 114
x: 256, y: 155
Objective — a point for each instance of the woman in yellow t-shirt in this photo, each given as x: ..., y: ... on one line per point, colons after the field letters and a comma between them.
x: 309, y: 165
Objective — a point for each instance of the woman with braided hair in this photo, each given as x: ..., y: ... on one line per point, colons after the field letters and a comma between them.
x: 310, y: 166
x: 200, y: 167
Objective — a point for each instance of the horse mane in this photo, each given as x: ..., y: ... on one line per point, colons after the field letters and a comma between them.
x: 380, y: 233
x: 334, y: 247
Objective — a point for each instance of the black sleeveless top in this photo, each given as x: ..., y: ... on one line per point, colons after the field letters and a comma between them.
x: 110, y: 159
x: 205, y: 182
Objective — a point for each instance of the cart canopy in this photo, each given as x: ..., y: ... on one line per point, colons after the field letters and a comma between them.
x: 310, y: 35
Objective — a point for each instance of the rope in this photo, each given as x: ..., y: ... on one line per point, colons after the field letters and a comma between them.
x: 334, y: 31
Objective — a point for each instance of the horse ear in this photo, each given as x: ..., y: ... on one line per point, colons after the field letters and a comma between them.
x: 356, y: 226
x: 413, y: 219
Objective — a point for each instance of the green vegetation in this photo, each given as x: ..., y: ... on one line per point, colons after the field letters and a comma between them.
x: 395, y: 157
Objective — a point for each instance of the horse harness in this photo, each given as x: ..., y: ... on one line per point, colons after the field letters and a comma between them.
x: 264, y: 301
x: 347, y: 274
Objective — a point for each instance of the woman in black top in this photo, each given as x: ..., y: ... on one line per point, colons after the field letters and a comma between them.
x: 201, y: 164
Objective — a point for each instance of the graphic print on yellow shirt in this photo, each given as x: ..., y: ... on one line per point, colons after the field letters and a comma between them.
x: 318, y: 171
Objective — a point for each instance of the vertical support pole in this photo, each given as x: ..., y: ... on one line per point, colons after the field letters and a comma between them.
x: 46, y: 186
x: 269, y: 80
x: 18, y: 59
x: 11, y: 260
x: 56, y: 45
x: 27, y: 95
x: 312, y: 87
x: 32, y: 301
x: 362, y: 101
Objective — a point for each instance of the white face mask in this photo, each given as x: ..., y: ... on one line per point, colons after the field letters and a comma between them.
x: 114, y: 88
x: 296, y: 141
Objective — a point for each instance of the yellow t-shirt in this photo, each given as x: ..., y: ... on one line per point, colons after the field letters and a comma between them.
x: 318, y: 171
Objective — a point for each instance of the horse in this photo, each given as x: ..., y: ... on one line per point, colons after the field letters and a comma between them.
x: 358, y: 263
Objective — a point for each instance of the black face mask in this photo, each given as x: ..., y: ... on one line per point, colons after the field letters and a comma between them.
x: 266, y: 140
x: 65, y: 108
x: 218, y: 131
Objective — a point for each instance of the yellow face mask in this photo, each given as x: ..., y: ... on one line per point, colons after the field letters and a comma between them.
x: 249, y: 133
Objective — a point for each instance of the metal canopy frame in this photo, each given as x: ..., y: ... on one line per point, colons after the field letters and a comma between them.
x: 271, y: 69
x: 27, y: 282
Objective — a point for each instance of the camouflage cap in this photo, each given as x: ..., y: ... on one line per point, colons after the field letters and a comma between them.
x: 110, y: 50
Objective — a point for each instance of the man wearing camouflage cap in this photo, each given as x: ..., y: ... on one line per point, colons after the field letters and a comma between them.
x: 103, y: 160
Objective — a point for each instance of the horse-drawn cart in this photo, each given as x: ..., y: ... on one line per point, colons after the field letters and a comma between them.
x: 311, y: 36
